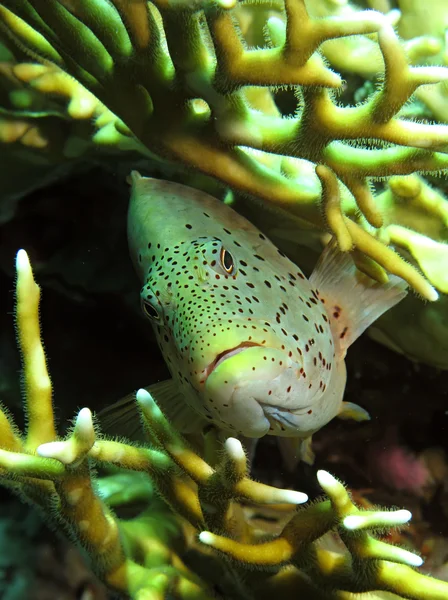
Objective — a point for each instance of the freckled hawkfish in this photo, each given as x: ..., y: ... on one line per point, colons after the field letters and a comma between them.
x: 253, y: 347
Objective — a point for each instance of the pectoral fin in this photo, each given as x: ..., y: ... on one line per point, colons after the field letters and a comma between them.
x: 349, y: 410
x: 353, y: 300
x: 123, y: 417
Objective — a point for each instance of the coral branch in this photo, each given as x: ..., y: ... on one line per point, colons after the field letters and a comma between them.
x: 39, y: 407
x: 188, y: 102
x: 59, y: 480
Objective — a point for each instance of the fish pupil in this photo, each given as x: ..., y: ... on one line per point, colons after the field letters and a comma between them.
x: 149, y: 310
x: 227, y: 261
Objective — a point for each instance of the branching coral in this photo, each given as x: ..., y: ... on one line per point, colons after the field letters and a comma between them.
x: 197, y: 84
x: 179, y: 81
x: 147, y: 557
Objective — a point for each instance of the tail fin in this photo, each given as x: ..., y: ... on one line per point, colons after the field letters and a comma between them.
x: 352, y: 300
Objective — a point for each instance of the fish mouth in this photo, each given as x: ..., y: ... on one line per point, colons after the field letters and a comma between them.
x: 284, y: 416
x: 222, y: 356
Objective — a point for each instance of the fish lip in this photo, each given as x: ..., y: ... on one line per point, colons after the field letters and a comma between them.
x: 296, y: 412
x: 222, y: 356
x: 280, y: 414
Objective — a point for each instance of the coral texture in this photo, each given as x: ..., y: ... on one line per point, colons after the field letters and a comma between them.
x: 335, y: 115
x: 145, y: 557
x: 178, y: 80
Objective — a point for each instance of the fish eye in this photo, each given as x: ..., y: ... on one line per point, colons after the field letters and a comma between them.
x: 149, y: 310
x: 227, y: 262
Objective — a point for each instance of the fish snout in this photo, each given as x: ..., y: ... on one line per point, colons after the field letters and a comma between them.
x: 258, y: 391
x: 222, y: 339
x: 239, y: 381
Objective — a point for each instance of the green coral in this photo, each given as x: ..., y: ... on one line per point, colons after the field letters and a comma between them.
x: 147, y: 557
x: 203, y: 98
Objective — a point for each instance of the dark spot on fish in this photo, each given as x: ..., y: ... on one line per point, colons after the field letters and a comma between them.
x: 188, y: 226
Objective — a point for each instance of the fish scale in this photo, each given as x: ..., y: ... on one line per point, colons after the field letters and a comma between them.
x: 252, y: 345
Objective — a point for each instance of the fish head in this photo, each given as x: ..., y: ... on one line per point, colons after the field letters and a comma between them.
x: 232, y: 314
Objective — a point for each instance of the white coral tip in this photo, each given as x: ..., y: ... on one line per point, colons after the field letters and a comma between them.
x: 22, y: 260
x: 206, y: 538
x: 293, y: 497
x: 234, y: 449
x: 84, y: 423
x: 325, y: 479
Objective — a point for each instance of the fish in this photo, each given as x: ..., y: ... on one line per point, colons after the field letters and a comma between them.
x: 254, y: 348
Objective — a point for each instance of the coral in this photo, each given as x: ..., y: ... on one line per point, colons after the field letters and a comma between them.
x: 251, y: 94
x: 147, y: 556
x: 204, y: 99
x: 396, y: 466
